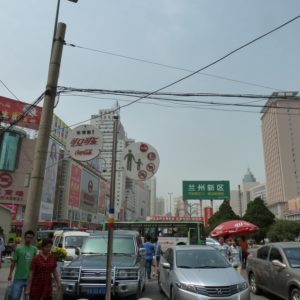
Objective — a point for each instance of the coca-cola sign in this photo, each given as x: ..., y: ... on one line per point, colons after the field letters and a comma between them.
x: 84, y: 142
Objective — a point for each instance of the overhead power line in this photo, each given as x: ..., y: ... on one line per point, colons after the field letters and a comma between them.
x: 10, y: 91
x: 212, y: 63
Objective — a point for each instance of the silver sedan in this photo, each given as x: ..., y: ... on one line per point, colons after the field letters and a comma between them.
x: 198, y: 273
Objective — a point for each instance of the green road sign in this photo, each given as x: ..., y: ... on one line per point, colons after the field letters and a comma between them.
x: 205, y: 190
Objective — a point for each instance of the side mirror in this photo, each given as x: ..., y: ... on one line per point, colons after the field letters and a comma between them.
x: 278, y: 264
x: 166, y: 266
x: 77, y: 251
x: 142, y: 251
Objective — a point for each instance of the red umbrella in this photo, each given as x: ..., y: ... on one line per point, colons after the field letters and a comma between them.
x: 234, y: 227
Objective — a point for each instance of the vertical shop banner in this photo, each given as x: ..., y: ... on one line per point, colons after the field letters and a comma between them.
x: 89, y: 192
x: 74, y: 190
x: 102, y: 192
x: 49, y: 185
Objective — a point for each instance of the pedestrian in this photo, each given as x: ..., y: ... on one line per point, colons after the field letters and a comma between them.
x: 148, y: 256
x: 2, y: 248
x: 21, y: 260
x: 42, y: 268
x: 224, y: 248
x: 157, y: 250
x: 244, y: 247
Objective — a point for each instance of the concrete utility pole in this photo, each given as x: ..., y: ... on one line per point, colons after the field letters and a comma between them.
x: 111, y: 215
x: 41, y: 148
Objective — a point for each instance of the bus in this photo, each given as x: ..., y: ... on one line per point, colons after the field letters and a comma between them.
x: 169, y: 233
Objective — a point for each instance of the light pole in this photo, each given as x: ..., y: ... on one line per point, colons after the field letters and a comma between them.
x: 170, y: 195
x: 41, y: 149
x: 56, y: 21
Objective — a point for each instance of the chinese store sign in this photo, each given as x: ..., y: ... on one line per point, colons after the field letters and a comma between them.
x: 205, y: 190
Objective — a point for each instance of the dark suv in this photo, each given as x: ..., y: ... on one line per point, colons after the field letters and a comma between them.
x: 86, y: 276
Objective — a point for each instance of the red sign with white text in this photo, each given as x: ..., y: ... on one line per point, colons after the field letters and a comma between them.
x: 74, y: 191
x: 11, y: 110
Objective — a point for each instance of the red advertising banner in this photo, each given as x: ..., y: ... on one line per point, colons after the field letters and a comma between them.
x: 74, y: 191
x: 208, y: 212
x: 10, y: 111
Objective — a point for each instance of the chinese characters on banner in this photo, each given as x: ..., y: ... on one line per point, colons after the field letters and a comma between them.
x: 102, y: 197
x: 12, y: 190
x: 205, y: 190
x: 11, y: 110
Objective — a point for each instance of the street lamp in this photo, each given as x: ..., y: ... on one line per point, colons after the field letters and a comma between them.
x: 56, y: 21
x: 170, y: 194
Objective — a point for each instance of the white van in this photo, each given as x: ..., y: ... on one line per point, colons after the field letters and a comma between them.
x: 70, y: 241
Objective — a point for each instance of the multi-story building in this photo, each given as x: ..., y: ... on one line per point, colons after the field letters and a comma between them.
x: 160, y: 207
x: 280, y: 124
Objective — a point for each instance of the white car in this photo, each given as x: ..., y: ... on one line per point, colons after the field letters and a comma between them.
x: 212, y: 242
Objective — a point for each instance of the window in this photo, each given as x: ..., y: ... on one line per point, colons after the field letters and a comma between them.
x: 275, y: 254
x: 9, y: 151
x: 262, y: 253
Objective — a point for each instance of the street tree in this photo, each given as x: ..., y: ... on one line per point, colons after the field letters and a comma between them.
x: 258, y: 214
x: 225, y: 213
x: 284, y: 231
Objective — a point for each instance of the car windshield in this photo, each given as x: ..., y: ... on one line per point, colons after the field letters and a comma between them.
x: 293, y: 256
x: 74, y: 241
x: 200, y: 259
x: 98, y: 245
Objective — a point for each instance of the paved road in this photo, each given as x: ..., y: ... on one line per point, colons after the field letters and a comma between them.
x: 152, y: 290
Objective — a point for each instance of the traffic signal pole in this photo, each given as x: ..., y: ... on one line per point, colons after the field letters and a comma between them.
x: 41, y: 149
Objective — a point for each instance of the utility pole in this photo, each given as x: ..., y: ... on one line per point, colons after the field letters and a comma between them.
x: 41, y: 147
x: 111, y: 215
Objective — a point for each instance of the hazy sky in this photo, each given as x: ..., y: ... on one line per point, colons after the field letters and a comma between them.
x: 196, y: 144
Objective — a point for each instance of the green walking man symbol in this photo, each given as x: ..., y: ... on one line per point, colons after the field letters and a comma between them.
x: 139, y: 164
x: 130, y: 157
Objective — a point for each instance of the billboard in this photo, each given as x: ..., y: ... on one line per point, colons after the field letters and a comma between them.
x: 11, y: 110
x: 74, y: 187
x: 205, y: 190
x: 60, y: 130
x: 89, y: 192
x: 49, y: 184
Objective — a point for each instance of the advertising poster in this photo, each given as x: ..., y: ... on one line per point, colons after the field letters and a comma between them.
x: 49, y: 185
x: 89, y: 192
x: 74, y: 190
x: 11, y: 110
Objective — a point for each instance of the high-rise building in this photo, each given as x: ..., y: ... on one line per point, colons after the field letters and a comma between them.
x: 105, y: 122
x: 246, y: 192
x: 281, y: 141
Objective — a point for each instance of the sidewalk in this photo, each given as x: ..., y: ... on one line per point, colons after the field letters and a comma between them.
x: 4, y: 270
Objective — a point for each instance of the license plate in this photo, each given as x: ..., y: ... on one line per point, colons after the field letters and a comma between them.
x: 94, y: 290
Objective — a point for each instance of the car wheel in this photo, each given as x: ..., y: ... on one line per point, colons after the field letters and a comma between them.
x: 295, y: 295
x: 253, y: 285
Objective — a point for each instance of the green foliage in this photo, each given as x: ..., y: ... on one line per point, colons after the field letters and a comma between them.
x: 284, y: 231
x: 225, y: 213
x: 258, y: 214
